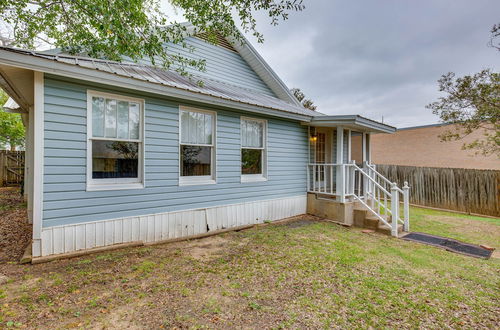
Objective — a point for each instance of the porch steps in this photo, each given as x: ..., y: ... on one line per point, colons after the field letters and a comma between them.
x: 364, y: 219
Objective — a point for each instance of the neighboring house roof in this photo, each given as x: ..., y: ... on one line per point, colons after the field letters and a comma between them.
x: 421, y: 146
x: 422, y: 126
x: 53, y: 63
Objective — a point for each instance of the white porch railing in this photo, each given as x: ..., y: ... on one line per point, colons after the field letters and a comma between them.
x: 365, y: 185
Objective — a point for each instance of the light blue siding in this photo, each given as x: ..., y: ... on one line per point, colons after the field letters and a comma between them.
x: 66, y: 200
x: 221, y: 64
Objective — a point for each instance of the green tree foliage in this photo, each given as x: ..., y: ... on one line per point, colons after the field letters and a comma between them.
x: 11, y: 127
x: 306, y: 103
x: 472, y: 103
x: 134, y: 28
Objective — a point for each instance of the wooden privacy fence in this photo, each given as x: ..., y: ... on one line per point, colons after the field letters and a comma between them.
x: 464, y: 190
x: 11, y: 167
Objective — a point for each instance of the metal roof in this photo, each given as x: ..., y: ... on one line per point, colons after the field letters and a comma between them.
x: 173, y: 79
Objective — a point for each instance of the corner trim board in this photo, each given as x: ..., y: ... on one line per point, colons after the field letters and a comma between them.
x: 38, y: 161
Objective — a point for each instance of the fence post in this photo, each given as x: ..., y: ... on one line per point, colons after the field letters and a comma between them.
x: 406, y: 206
x: 394, y: 209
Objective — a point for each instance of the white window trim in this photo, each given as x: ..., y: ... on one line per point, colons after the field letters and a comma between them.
x: 199, y: 179
x: 119, y: 183
x: 255, y: 177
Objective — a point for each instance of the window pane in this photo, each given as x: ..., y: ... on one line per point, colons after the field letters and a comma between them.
x: 195, y: 160
x: 192, y: 127
x: 185, y: 127
x: 208, y: 129
x: 252, y: 134
x: 98, y: 116
x: 122, y: 120
x: 115, y: 159
x: 244, y: 134
x: 110, y: 118
x: 196, y: 127
x: 251, y: 161
x: 135, y: 119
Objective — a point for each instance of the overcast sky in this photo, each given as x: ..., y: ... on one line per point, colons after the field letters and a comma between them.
x: 380, y: 58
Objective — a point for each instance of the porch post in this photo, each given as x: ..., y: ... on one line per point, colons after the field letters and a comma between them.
x: 394, y: 209
x: 340, y: 184
x: 368, y: 148
x: 406, y: 206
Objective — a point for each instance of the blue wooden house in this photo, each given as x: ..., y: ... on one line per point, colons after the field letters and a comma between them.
x: 127, y: 152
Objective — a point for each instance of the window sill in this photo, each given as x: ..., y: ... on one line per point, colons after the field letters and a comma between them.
x: 253, y: 178
x: 114, y: 186
x: 194, y: 181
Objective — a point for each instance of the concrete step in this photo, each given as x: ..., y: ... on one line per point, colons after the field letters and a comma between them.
x: 371, y: 223
x: 384, y: 229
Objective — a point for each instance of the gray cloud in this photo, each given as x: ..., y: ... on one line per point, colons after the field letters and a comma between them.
x: 380, y: 58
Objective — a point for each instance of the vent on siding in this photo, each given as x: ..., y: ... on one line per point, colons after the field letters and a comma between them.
x: 220, y: 40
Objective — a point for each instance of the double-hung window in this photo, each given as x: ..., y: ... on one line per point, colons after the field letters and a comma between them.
x: 197, y: 146
x: 253, y: 149
x: 115, y: 142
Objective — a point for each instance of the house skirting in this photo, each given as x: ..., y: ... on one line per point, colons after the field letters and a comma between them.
x: 163, y: 226
x: 330, y: 209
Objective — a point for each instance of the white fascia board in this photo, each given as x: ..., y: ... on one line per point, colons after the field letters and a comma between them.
x: 72, y: 71
x: 353, y: 121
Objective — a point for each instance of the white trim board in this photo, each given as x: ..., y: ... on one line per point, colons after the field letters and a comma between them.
x: 161, y: 226
x: 38, y: 161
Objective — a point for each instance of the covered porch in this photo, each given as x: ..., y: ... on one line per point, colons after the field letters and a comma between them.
x: 340, y: 175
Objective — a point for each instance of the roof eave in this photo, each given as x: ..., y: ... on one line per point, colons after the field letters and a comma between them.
x: 76, y: 72
x: 352, y: 121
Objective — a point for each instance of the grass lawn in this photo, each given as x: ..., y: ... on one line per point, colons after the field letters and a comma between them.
x: 301, y: 274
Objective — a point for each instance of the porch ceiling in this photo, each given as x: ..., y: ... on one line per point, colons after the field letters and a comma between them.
x: 354, y: 122
x: 18, y: 83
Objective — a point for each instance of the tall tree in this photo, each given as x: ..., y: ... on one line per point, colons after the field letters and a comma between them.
x: 472, y: 103
x: 11, y: 127
x: 136, y: 29
x: 301, y: 97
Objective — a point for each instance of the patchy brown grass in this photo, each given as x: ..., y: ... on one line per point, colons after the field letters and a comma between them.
x: 304, y: 274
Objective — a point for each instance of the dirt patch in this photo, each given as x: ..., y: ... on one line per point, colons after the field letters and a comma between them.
x: 15, y: 232
x: 301, y: 221
x: 207, y: 248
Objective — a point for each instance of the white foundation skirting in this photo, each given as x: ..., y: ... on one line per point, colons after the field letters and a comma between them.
x: 162, y: 226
